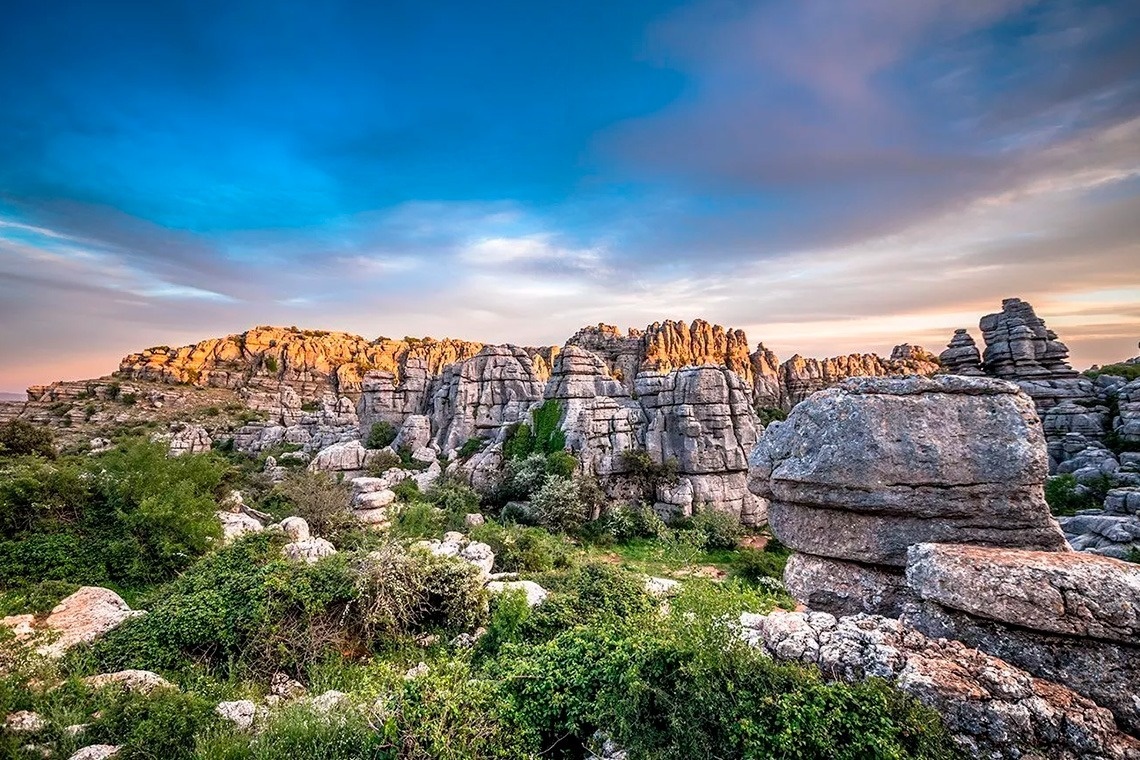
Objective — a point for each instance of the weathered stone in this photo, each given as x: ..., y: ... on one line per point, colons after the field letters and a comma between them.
x: 992, y: 708
x: 239, y: 712
x: 83, y: 617
x: 845, y: 588
x: 1073, y: 594
x: 310, y: 550
x: 862, y: 471
x: 24, y: 722
x: 96, y: 752
x: 961, y: 356
x: 190, y: 439
x: 296, y: 528
x: 349, y: 457
x: 237, y: 524
x: 141, y: 681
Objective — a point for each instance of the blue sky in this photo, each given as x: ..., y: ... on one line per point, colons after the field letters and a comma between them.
x: 830, y: 176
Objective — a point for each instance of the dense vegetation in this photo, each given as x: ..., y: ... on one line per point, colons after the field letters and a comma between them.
x: 393, y: 626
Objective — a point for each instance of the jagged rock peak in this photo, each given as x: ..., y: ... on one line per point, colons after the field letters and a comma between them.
x: 314, y: 360
x: 1019, y: 346
x: 961, y: 356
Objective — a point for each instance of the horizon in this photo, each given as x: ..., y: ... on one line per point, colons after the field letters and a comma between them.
x: 830, y: 179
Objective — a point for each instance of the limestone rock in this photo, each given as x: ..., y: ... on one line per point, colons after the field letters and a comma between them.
x: 841, y: 587
x: 284, y: 687
x: 661, y: 586
x: 24, y: 722
x: 1072, y: 594
x: 861, y: 471
x: 190, y: 439
x: 96, y: 752
x: 993, y: 708
x: 349, y: 457
x: 237, y: 524
x: 961, y: 356
x: 296, y: 528
x: 141, y: 681
x: 85, y: 616
x: 415, y: 433
x: 310, y: 550
x: 239, y: 712
x: 328, y: 701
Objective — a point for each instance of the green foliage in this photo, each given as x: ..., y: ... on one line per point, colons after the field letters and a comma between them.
x: 407, y: 462
x: 128, y: 399
x: 301, y: 733
x: 407, y: 490
x: 271, y: 364
x: 647, y: 474
x: 382, y: 461
x: 545, y: 437
x: 162, y: 724
x: 624, y: 522
x: 380, y: 435
x: 720, y: 530
x: 470, y: 447
x: 310, y: 406
x: 453, y: 497
x: 770, y: 414
x: 559, y: 505
x: 321, y: 501
x: 35, y: 598
x: 523, y: 549
x: 1129, y: 372
x: 1064, y: 496
x: 132, y: 517
x: 418, y: 519
x: 769, y: 563
x: 22, y: 438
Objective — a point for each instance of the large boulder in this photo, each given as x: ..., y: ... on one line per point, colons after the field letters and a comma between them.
x: 83, y: 617
x: 862, y: 471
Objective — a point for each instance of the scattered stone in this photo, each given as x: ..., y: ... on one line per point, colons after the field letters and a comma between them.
x: 480, y: 555
x: 237, y: 524
x: 284, y: 687
x: 83, y: 617
x: 474, y: 520
x: 416, y: 672
x: 535, y: 594
x: 96, y: 752
x: 141, y: 681
x: 310, y: 550
x: 240, y: 712
x: 329, y: 701
x: 296, y: 528
x: 24, y: 722
x: 661, y: 586
x: 190, y: 439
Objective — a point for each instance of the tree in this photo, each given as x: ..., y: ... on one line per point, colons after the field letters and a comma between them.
x: 21, y: 438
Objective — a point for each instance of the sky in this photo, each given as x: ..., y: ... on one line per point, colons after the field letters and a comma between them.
x: 830, y: 177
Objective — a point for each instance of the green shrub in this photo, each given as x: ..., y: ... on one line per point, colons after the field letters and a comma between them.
x: 470, y: 447
x: 558, y: 505
x: 418, y: 519
x: 646, y: 474
x: 271, y: 364
x: 770, y: 414
x: 128, y: 399
x: 624, y: 522
x: 1129, y: 372
x: 301, y: 733
x: 407, y: 490
x: 22, y: 438
x: 545, y: 437
x: 310, y: 406
x: 162, y: 724
x: 1064, y: 496
x: 382, y: 461
x: 453, y: 497
x: 523, y: 549
x: 380, y: 435
x: 321, y: 501
x: 721, y: 531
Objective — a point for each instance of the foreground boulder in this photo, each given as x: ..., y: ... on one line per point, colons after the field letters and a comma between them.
x: 864, y: 470
x: 993, y: 709
x: 83, y: 617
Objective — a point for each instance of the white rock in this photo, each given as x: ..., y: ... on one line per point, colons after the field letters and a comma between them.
x: 310, y: 550
x: 296, y: 528
x: 425, y: 454
x: 85, y: 616
x: 371, y: 516
x: 237, y: 524
x: 416, y: 672
x: 474, y: 520
x: 96, y: 752
x: 480, y: 555
x: 240, y: 712
x: 374, y: 499
x: 141, y: 681
x: 328, y: 701
x: 661, y: 586
x: 24, y: 722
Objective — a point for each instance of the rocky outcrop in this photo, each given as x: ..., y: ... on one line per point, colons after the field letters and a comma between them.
x: 1071, y: 618
x: 961, y: 356
x: 1126, y: 424
x: 800, y: 377
x: 921, y: 499
x: 310, y: 361
x: 862, y: 471
x: 993, y: 709
x: 78, y: 619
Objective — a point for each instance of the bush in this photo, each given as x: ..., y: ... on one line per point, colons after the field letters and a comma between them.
x: 321, y: 501
x: 418, y: 519
x: 21, y: 438
x: 558, y: 505
x: 648, y: 475
x: 470, y: 447
x: 271, y: 364
x: 162, y: 724
x: 382, y: 461
x: 521, y: 549
x: 1129, y: 372
x: 1065, y: 496
x: 301, y: 733
x: 770, y: 414
x: 721, y: 531
x: 380, y: 435
x: 544, y: 438
x: 624, y: 522
x: 407, y: 490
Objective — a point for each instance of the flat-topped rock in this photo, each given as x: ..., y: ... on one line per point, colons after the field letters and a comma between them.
x: 1073, y: 593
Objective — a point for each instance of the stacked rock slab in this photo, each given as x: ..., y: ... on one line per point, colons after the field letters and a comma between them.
x: 860, y: 472
x: 921, y: 499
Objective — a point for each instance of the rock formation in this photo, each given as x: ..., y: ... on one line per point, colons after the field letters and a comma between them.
x: 993, y: 709
x: 921, y: 499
